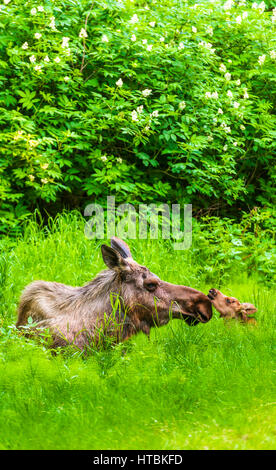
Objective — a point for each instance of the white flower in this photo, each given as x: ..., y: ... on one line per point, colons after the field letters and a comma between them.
x: 140, y: 109
x: 66, y: 79
x: 119, y: 160
x: 162, y: 39
x: 236, y: 104
x: 246, y: 95
x: 149, y: 47
x: 235, y: 144
x: 37, y: 35
x: 38, y: 68
x: 239, y: 19
x: 134, y: 19
x: 6, y: 2
x: 220, y: 111
x: 133, y: 37
x: 31, y: 177
x: 18, y: 135
x: 181, y: 46
x: 207, y: 45
x: 261, y: 59
x: 146, y: 92
x: 272, y: 54
x: 65, y: 41
x: 134, y: 116
x: 144, y: 41
x: 83, y: 33
x: 152, y: 24
x: 182, y: 105
x: 222, y: 68
x: 119, y: 82
x: 105, y: 38
x: 44, y: 180
x: 104, y: 158
x: 33, y: 11
x: 244, y: 15
x: 228, y: 5
x: 52, y: 23
x: 227, y: 76
x: 227, y: 129
x: 238, y: 82
x: 33, y: 143
x: 25, y: 45
x: 45, y: 166
x: 262, y: 7
x: 213, y: 95
x: 32, y: 59
x: 229, y: 94
x: 210, y: 30
x: 194, y: 29
x: 154, y: 114
x: 57, y: 60
x: 46, y: 59
x: 210, y: 138
x: 225, y: 148
x: 40, y: 8
x: 242, y: 127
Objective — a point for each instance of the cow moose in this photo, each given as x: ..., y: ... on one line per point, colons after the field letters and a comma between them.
x: 121, y: 301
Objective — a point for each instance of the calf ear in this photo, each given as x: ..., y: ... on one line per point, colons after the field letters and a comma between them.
x: 121, y: 246
x: 113, y: 259
x: 249, y: 308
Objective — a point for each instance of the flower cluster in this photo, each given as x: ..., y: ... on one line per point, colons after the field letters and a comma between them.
x: 261, y: 59
x: 261, y: 6
x: 207, y: 45
x: 210, y: 95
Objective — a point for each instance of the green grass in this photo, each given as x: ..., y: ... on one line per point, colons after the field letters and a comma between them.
x: 205, y: 387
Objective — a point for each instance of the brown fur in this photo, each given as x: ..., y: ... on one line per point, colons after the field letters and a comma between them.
x: 75, y: 315
x: 230, y: 307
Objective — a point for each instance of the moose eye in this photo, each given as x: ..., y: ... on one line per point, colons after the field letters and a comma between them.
x: 228, y: 301
x: 150, y: 286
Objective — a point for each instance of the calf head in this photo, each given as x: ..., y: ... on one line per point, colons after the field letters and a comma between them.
x: 147, y: 298
x: 230, y: 307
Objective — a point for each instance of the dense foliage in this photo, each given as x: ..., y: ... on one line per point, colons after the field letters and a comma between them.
x: 160, y: 101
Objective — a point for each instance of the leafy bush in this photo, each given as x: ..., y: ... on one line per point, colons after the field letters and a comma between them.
x: 165, y: 101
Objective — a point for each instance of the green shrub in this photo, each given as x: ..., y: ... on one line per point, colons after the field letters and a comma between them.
x: 160, y: 101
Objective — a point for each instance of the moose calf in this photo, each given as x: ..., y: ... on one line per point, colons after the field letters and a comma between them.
x: 229, y: 307
x: 75, y: 315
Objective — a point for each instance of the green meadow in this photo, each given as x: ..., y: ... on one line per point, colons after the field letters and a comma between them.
x: 205, y: 387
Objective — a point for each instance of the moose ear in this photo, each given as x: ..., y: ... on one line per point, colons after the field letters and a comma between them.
x: 112, y: 258
x: 121, y: 247
x: 249, y: 308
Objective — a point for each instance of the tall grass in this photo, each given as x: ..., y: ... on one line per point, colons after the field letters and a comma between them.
x: 209, y: 386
